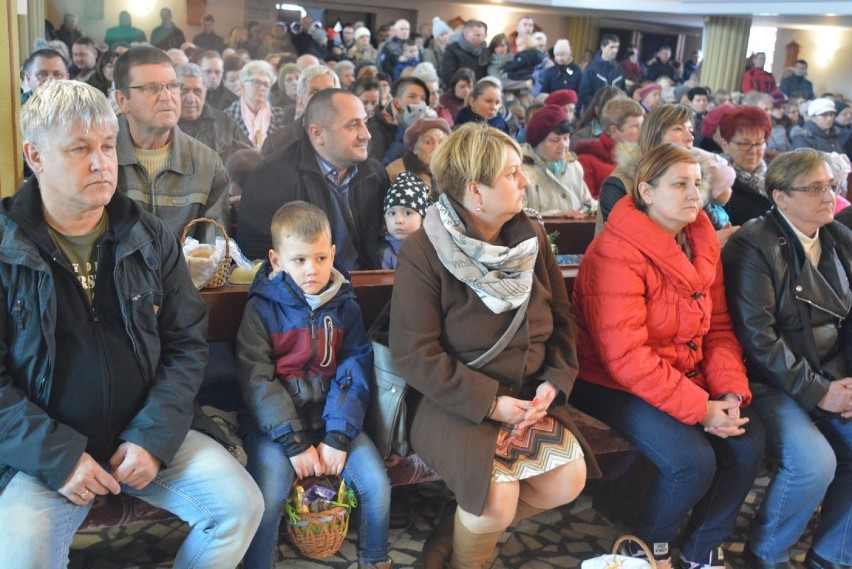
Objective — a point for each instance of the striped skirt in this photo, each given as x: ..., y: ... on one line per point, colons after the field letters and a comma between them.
x: 540, y: 448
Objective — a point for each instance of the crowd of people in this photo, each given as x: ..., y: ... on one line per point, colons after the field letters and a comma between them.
x: 707, y: 324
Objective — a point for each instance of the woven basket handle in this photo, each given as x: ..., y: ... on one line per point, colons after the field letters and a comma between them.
x: 637, y: 541
x: 215, y: 223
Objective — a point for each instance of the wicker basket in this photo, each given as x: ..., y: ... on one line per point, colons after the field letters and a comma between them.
x: 321, y: 534
x: 220, y: 277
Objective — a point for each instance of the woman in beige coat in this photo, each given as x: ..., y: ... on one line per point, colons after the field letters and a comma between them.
x: 460, y: 280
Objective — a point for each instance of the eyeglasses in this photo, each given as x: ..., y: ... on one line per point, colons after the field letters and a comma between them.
x: 154, y: 89
x: 746, y: 146
x: 257, y: 83
x: 817, y: 189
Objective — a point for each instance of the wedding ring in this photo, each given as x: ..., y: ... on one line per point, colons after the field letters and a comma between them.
x: 84, y: 494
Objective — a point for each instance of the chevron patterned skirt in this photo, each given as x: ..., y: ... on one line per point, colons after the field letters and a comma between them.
x: 539, y: 449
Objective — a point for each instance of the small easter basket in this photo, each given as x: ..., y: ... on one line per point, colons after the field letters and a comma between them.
x: 205, y: 260
x: 319, y: 534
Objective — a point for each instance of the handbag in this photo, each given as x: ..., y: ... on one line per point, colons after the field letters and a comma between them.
x: 615, y: 561
x: 392, y: 402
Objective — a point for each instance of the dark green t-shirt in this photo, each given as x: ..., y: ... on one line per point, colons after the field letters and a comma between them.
x: 81, y: 253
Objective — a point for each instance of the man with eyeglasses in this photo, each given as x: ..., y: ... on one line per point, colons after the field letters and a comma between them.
x: 43, y: 66
x: 787, y: 282
x: 819, y: 131
x: 201, y: 121
x: 168, y: 172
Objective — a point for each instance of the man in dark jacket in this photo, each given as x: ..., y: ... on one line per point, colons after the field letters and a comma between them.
x: 328, y: 167
x: 213, y: 67
x: 201, y: 121
x: 796, y: 83
x: 602, y: 71
x: 392, y: 49
x: 787, y: 276
x: 469, y: 51
x: 102, y: 337
x: 662, y: 65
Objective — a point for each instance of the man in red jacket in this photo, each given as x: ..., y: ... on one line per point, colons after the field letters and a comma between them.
x: 621, y: 120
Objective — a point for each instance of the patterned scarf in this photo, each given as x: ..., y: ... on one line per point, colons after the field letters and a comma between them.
x: 754, y: 181
x: 501, y: 276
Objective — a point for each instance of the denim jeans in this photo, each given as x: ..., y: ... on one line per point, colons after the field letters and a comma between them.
x: 203, y: 485
x: 364, y: 471
x: 815, y: 452
x: 697, y: 471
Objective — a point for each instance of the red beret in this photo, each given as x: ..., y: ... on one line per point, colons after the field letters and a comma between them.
x: 543, y: 122
x: 713, y: 118
x: 412, y: 133
x: 562, y: 97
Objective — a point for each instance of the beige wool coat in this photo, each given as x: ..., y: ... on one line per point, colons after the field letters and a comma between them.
x: 438, y: 323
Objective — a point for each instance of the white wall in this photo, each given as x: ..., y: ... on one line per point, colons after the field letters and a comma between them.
x: 828, y: 52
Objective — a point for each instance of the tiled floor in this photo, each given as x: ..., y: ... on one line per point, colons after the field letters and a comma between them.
x: 558, y: 539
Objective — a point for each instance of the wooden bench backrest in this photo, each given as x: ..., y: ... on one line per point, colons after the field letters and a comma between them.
x: 372, y: 289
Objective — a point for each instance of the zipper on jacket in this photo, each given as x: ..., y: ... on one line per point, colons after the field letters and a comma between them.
x: 313, y: 318
x: 125, y: 316
x: 824, y: 309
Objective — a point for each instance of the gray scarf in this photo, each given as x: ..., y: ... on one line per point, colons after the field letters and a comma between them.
x: 501, y: 276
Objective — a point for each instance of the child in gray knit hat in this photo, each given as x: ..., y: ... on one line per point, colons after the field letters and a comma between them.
x: 405, y: 206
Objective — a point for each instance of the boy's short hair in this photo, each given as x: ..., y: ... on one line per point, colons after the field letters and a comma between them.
x: 298, y: 220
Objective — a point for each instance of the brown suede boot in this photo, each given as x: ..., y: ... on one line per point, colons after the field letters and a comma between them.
x: 525, y: 511
x: 471, y: 550
x: 439, y: 545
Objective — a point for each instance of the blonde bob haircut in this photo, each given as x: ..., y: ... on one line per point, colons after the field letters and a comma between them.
x: 658, y: 121
x: 653, y: 165
x: 475, y: 152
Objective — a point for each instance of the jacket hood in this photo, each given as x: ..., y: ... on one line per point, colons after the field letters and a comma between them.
x: 627, y: 157
x: 628, y: 223
x: 25, y: 210
x: 282, y: 289
x: 601, y: 147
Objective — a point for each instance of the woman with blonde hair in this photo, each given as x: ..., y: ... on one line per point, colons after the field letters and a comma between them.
x: 481, y: 274
x: 659, y: 361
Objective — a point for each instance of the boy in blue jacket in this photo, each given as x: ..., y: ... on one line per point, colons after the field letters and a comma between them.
x: 304, y: 361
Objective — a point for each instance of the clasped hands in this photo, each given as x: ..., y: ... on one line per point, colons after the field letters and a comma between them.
x: 522, y: 413
x: 319, y: 460
x: 131, y: 464
x: 722, y: 418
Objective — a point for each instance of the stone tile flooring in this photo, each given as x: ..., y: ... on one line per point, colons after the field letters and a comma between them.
x: 560, y: 538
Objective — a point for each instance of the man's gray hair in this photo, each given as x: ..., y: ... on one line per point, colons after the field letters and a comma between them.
x: 310, y: 73
x: 256, y: 66
x: 754, y: 98
x: 58, y: 105
x: 188, y: 70
x: 345, y: 64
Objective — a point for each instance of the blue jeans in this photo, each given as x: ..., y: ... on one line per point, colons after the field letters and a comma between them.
x: 203, y: 485
x: 815, y: 454
x: 700, y: 472
x: 364, y: 471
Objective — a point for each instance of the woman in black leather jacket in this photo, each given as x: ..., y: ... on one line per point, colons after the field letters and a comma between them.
x: 787, y: 280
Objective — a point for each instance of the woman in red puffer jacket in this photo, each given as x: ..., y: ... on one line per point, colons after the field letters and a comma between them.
x: 659, y: 361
